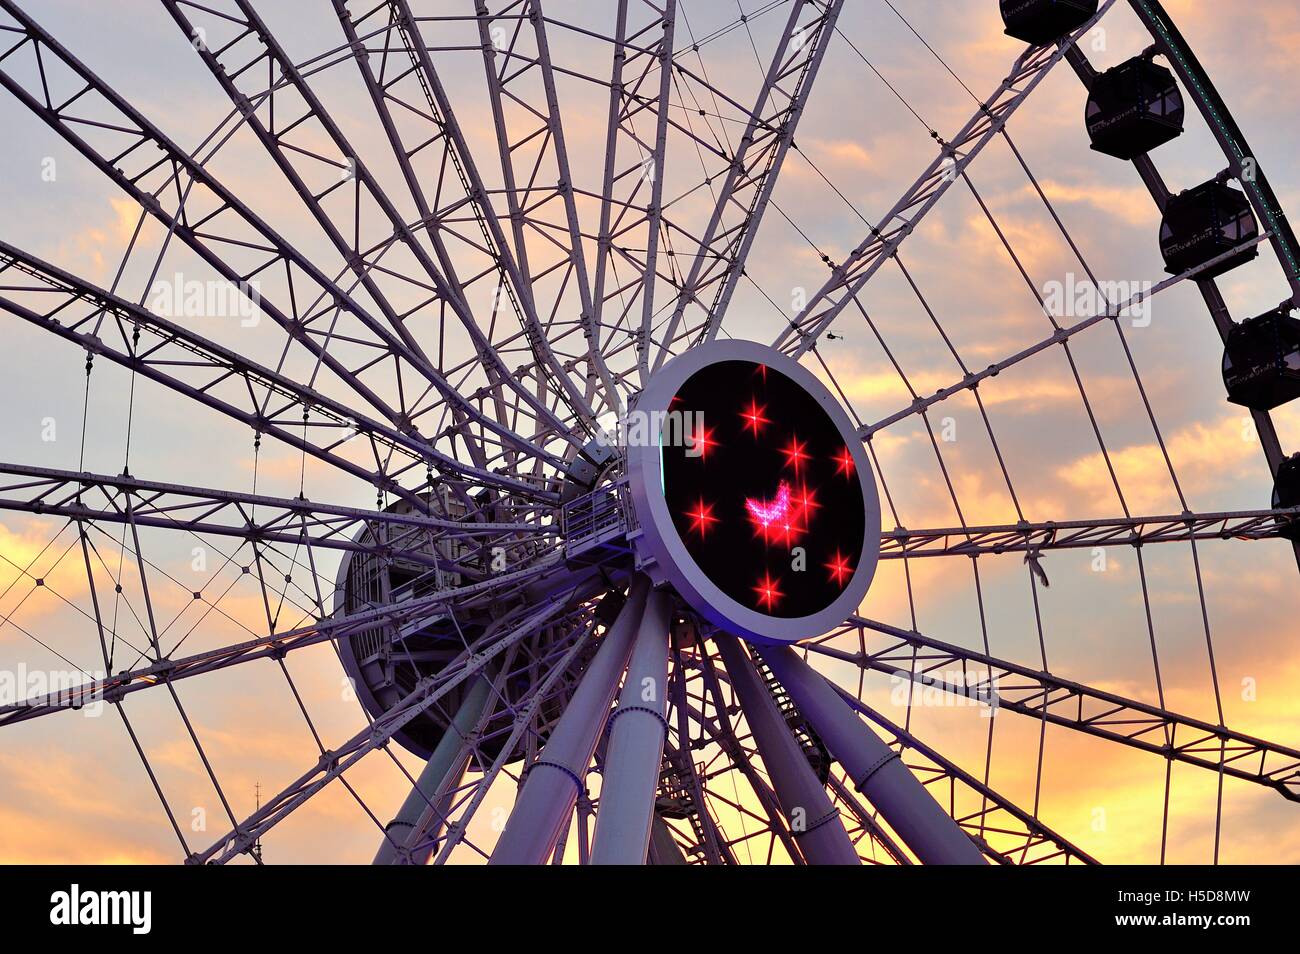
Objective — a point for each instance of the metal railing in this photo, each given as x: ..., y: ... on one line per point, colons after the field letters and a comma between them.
x: 597, y: 519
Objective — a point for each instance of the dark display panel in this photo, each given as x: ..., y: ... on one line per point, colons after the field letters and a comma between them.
x: 762, y: 471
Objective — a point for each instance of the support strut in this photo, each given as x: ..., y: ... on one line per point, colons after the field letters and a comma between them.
x: 637, y: 732
x: 876, y: 769
x: 448, y: 759
x: 553, y: 782
x: 814, y: 822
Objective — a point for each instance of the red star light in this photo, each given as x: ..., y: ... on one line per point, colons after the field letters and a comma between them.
x: 702, y: 518
x: 839, y: 568
x: 805, y: 501
x: 787, y: 531
x: 753, y: 417
x: 768, y: 594
x: 702, y: 440
x: 795, y: 453
x: 843, y: 462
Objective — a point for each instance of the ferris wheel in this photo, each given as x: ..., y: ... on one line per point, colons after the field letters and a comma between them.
x: 537, y: 494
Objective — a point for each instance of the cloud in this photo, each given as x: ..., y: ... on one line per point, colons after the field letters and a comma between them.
x: 1208, y: 457
x: 1130, y: 204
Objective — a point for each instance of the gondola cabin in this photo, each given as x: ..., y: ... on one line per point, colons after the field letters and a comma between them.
x: 1045, y: 21
x: 1203, y: 223
x: 1286, y: 493
x: 1261, y: 361
x: 1134, y: 108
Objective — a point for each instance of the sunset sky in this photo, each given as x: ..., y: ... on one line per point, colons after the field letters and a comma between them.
x: 71, y: 786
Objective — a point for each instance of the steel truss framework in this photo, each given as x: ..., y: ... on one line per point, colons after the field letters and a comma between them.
x: 472, y: 308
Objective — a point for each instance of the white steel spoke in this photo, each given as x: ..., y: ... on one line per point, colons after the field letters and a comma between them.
x: 1041, y: 695
x: 849, y: 277
x: 743, y: 196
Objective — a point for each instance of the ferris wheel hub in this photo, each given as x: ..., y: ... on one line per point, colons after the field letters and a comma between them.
x: 385, y: 661
x: 752, y: 496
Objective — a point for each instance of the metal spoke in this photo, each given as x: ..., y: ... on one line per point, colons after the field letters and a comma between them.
x: 265, y: 399
x: 1034, y: 538
x: 415, y: 96
x: 849, y: 277
x: 742, y: 198
x: 518, y: 71
x: 258, y: 519
x: 291, y: 103
x: 642, y: 60
x: 333, y: 764
x: 210, y: 219
x: 1058, y: 701
x: 274, y: 646
x: 1061, y: 336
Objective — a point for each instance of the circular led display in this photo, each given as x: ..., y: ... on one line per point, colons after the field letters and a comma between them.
x: 754, y: 496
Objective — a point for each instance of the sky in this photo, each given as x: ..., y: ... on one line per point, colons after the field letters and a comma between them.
x: 74, y: 789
